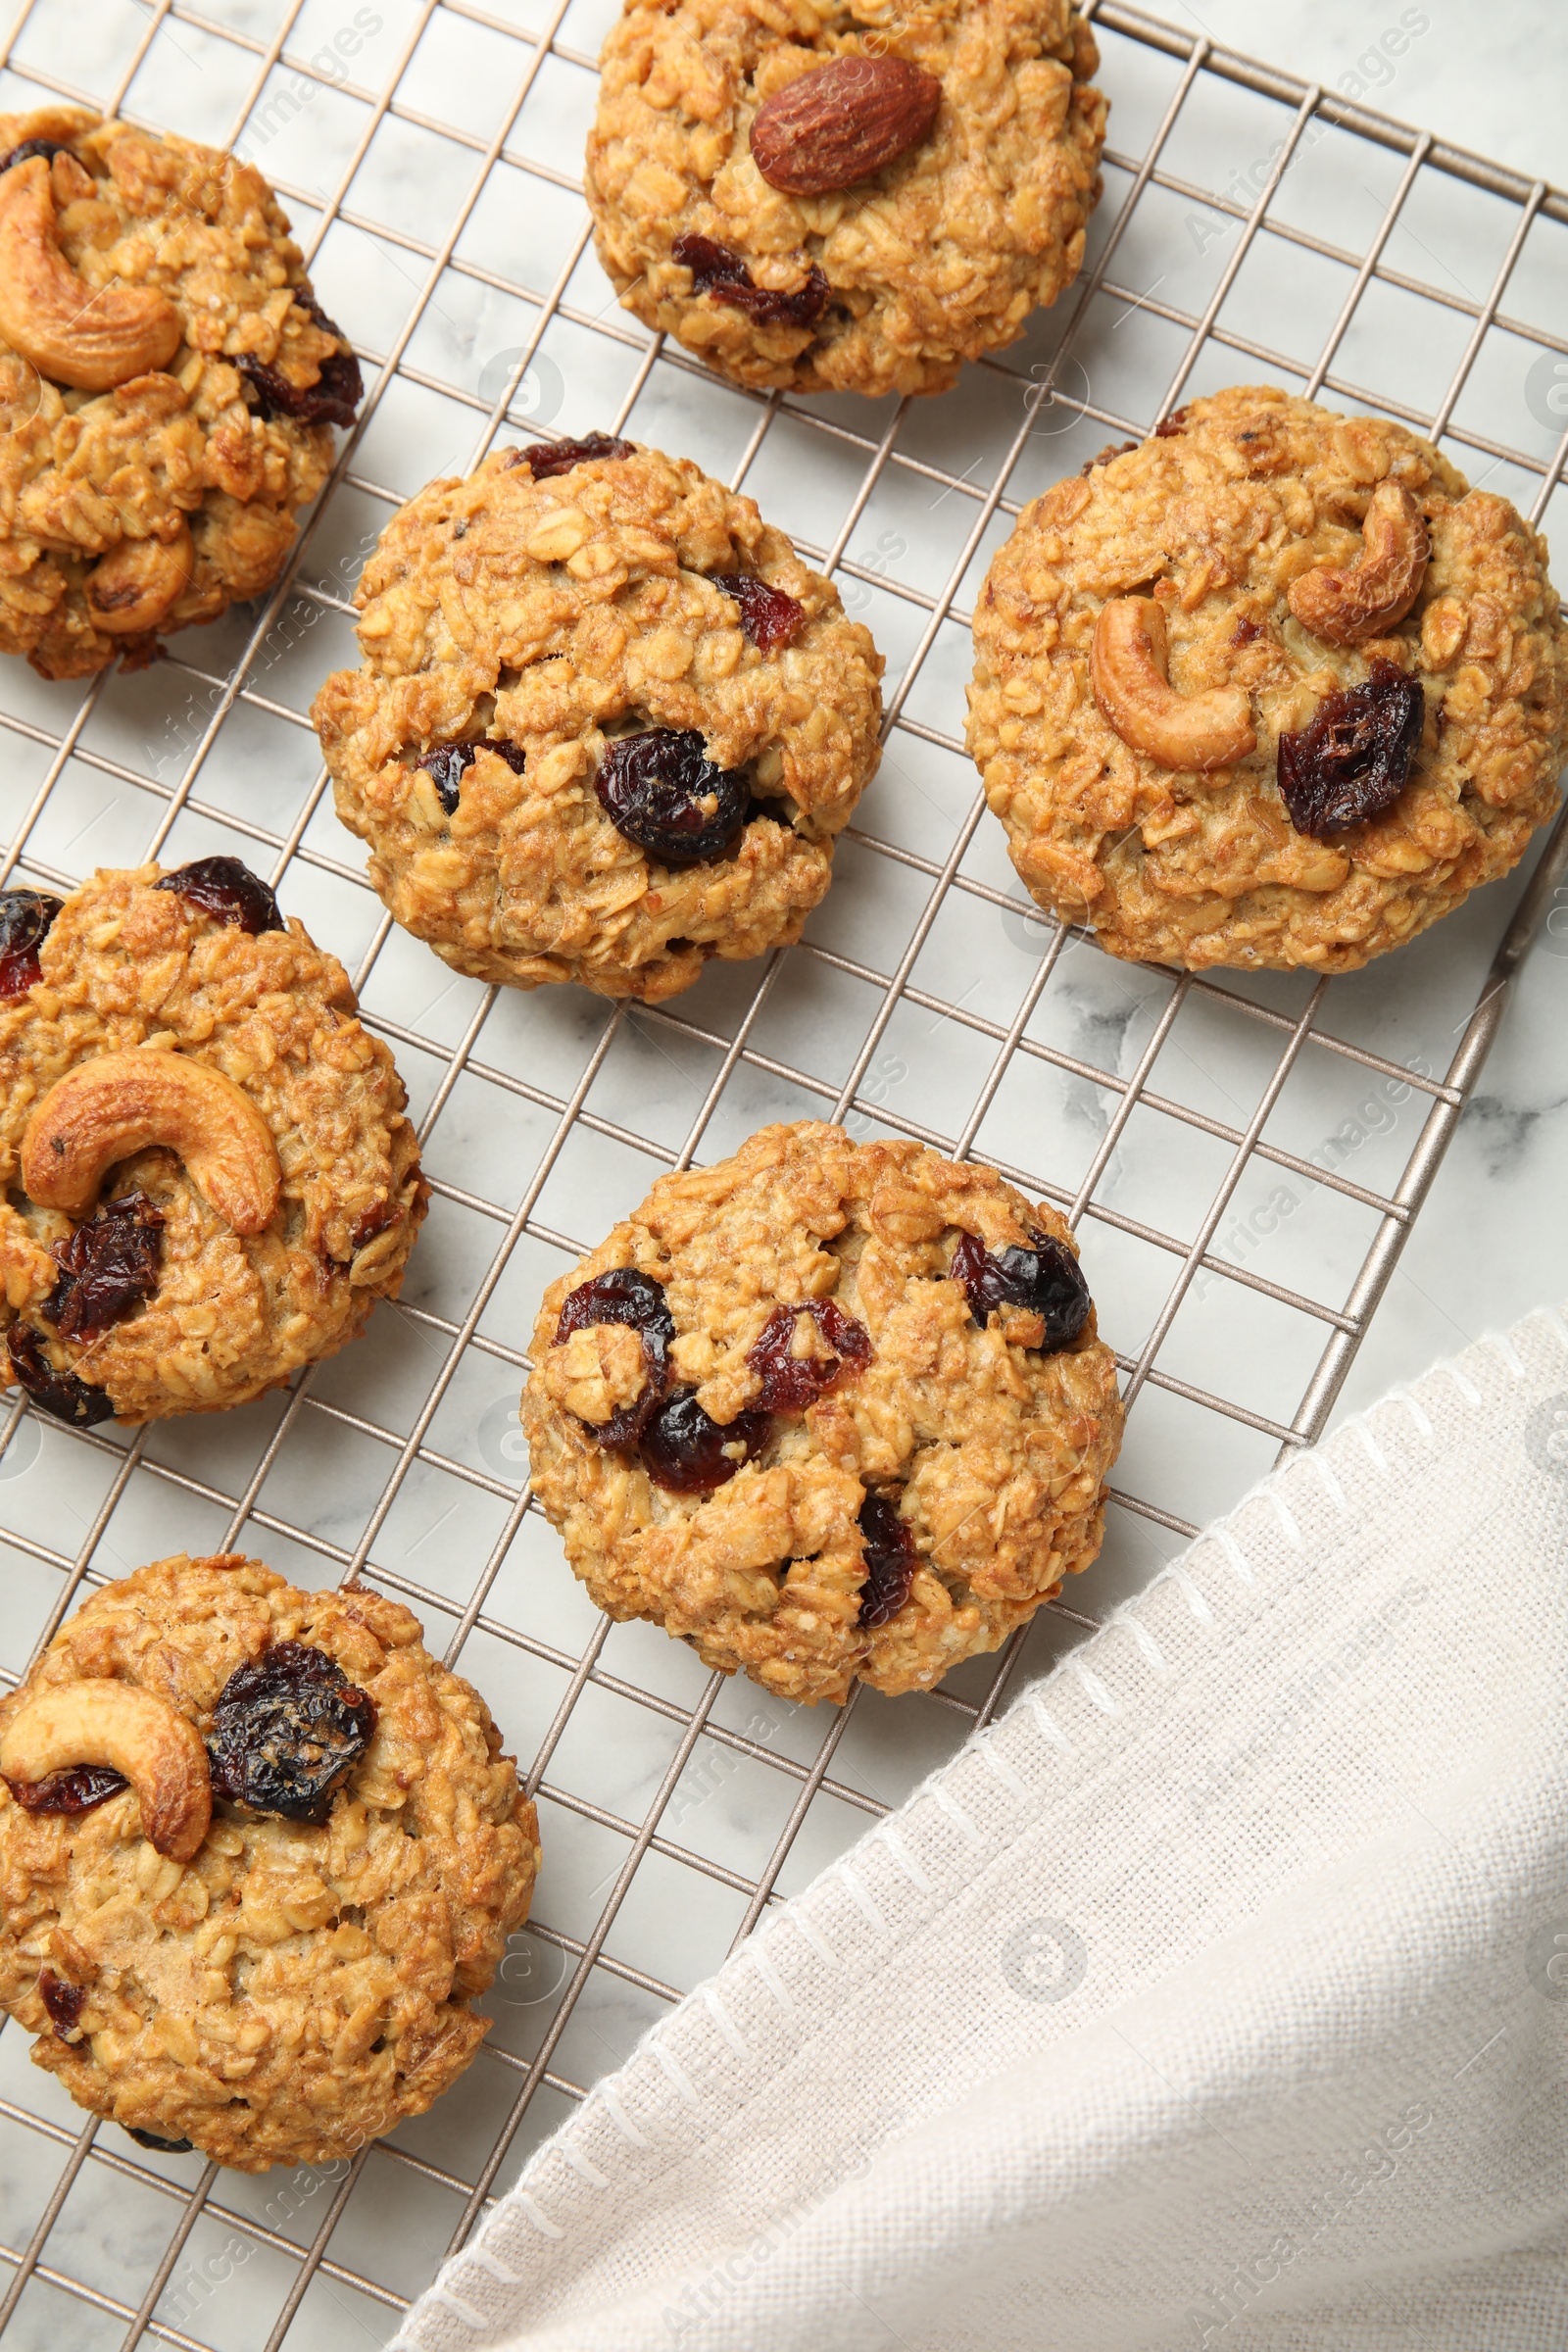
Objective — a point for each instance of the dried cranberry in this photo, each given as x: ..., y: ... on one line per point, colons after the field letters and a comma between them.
x: 226, y: 889
x: 48, y: 148
x: 1354, y: 760
x: 1046, y: 1280
x: 59, y: 1393
x: 449, y: 762
x: 662, y: 791
x: 77, y: 1788
x: 546, y: 459
x: 107, y: 1267
x: 719, y: 271
x: 335, y: 396
x: 624, y: 1296
x: 26, y: 917
x: 63, y: 2002
x: 790, y: 1383
x: 163, y: 2147
x: 288, y: 1728
x: 769, y: 616
x: 685, y: 1448
x: 891, y: 1560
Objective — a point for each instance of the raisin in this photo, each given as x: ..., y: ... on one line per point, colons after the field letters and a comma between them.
x: 1246, y: 630
x: 661, y: 791
x: 1354, y: 759
x: 372, y: 1221
x: 890, y: 1559
x: 1113, y: 449
x: 686, y: 1450
x: 1169, y: 426
x: 48, y: 148
x: 340, y: 382
x: 624, y: 1296
x: 446, y: 766
x: 26, y: 917
x: 63, y: 2002
x: 719, y: 271
x: 790, y: 1383
x: 226, y: 889
x: 335, y: 396
x: 288, y: 1728
x: 75, y: 1789
x: 546, y: 459
x: 162, y: 2147
x: 107, y: 1267
x: 449, y: 762
x: 769, y: 616
x: 1046, y: 1280
x: 59, y: 1393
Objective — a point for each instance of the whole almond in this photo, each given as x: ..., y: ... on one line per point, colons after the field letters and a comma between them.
x: 840, y: 122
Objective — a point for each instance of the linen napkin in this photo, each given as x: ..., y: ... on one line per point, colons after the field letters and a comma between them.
x: 1217, y: 1996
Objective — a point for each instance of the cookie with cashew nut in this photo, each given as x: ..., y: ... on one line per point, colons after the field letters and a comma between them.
x: 831, y: 1412
x: 1275, y: 688
x: 169, y: 386
x: 209, y: 1176
x: 260, y: 1854
x: 608, y: 725
x: 839, y: 202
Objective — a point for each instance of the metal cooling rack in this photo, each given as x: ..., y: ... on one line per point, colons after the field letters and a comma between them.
x: 1244, y: 1157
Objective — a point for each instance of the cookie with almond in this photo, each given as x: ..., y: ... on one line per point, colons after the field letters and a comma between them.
x: 837, y: 200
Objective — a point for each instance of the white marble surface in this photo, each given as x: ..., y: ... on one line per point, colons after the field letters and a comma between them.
x: 1488, y: 74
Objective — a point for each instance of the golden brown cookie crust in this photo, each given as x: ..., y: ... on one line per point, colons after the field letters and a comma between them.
x: 996, y: 1451
x: 1236, y: 499
x: 293, y: 1991
x: 546, y: 614
x: 179, y: 447
x: 938, y: 257
x: 124, y: 966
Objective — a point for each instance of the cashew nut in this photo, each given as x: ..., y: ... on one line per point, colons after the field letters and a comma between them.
x: 1343, y: 608
x: 118, y: 1104
x: 92, y: 339
x: 138, y: 582
x: 1127, y: 667
x: 133, y: 1732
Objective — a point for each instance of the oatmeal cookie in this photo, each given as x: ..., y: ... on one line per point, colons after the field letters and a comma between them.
x: 606, y: 724
x: 208, y: 1177
x: 167, y: 387
x: 830, y: 1413
x: 1276, y: 687
x: 258, y: 1853
x: 887, y: 283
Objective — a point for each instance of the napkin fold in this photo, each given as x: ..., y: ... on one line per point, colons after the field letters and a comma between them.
x: 1216, y: 1996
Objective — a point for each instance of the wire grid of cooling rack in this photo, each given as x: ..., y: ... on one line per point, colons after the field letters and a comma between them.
x: 674, y: 1808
